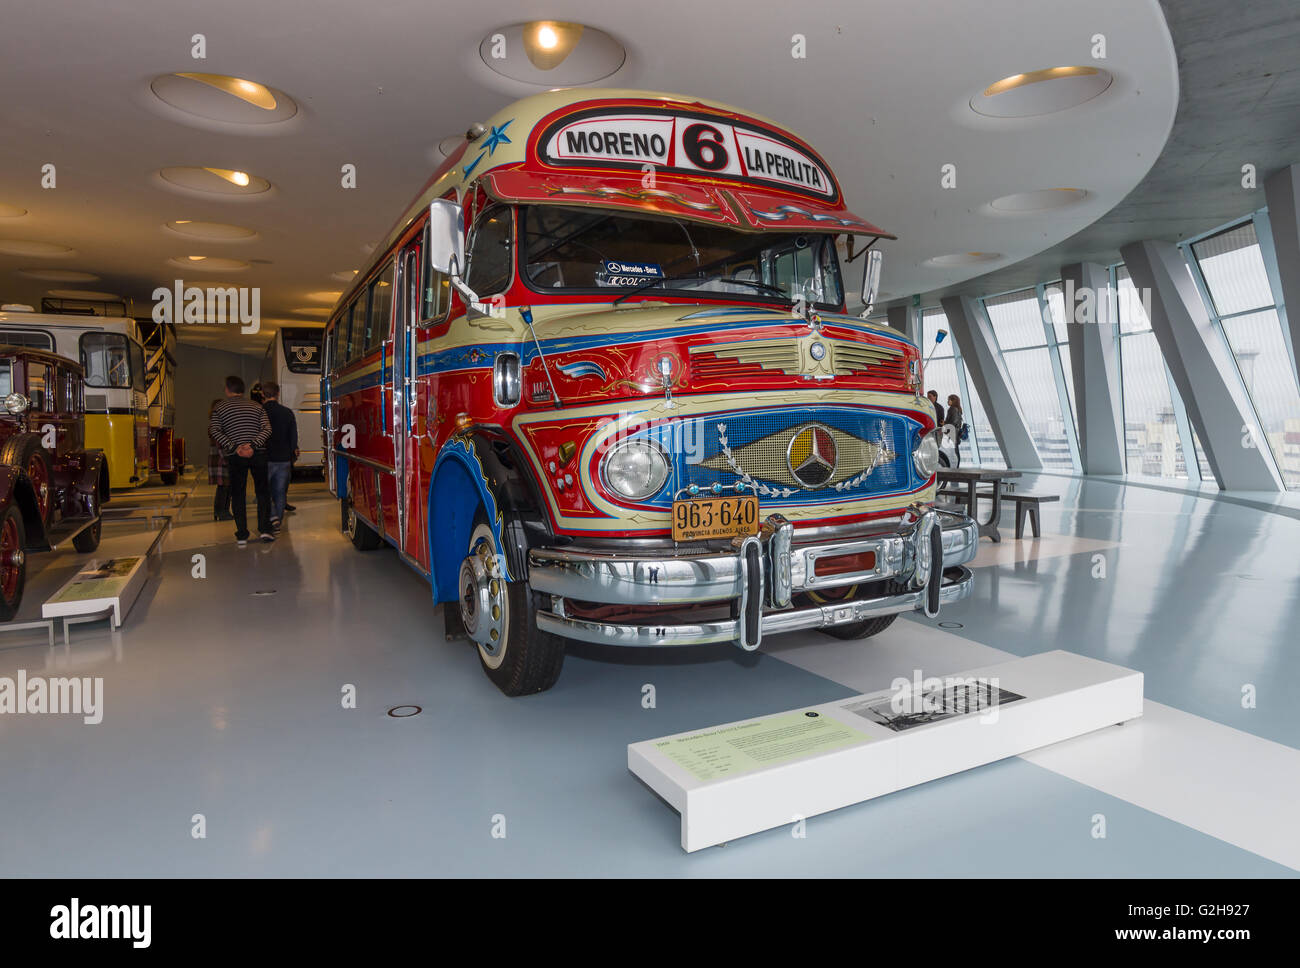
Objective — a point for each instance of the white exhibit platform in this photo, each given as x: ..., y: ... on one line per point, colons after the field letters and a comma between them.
x: 740, y: 778
x: 103, y: 586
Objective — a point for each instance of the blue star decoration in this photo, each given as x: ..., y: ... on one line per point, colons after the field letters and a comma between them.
x: 496, y: 137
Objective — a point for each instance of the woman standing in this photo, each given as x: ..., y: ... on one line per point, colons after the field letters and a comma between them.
x: 218, y: 474
x: 956, y: 420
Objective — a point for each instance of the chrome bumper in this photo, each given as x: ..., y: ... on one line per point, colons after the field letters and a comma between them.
x: 758, y: 578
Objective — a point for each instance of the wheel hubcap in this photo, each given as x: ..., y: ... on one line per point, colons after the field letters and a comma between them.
x: 482, y: 598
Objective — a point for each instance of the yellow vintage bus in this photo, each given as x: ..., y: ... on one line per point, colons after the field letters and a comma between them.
x: 116, y: 389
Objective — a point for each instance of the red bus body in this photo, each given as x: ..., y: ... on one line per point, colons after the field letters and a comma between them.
x: 663, y: 333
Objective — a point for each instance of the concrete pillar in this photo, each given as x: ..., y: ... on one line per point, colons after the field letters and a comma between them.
x: 1282, y: 194
x: 985, y: 369
x: 1094, y: 366
x: 907, y: 320
x: 1203, y: 369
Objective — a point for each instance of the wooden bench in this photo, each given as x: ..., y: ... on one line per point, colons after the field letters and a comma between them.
x: 1027, y: 507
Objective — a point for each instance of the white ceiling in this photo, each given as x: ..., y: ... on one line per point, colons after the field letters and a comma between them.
x: 883, y: 94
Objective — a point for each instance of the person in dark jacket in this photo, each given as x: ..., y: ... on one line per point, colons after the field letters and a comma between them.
x: 240, y: 428
x: 281, y: 449
x: 956, y: 419
x: 938, y: 409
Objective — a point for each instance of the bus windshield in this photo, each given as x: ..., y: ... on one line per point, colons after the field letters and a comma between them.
x: 107, y: 362
x: 302, y: 349
x: 595, y: 250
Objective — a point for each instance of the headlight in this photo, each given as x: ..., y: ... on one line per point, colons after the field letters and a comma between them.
x: 16, y: 403
x: 635, y: 469
x: 926, y: 455
x: 506, y: 380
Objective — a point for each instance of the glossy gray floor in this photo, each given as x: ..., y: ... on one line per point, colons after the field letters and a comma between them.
x: 223, y: 699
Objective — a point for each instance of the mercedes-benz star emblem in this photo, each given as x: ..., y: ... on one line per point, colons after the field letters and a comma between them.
x: 811, y: 456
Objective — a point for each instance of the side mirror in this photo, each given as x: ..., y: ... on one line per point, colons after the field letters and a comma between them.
x: 446, y: 237
x: 447, y: 244
x: 871, y: 280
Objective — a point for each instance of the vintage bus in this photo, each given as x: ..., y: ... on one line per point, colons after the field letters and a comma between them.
x: 130, y: 409
x: 293, y: 360
x: 599, y: 383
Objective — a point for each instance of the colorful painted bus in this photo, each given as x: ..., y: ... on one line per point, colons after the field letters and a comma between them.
x: 599, y: 383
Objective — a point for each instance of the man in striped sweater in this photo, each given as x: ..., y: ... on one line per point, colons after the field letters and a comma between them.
x: 240, y: 428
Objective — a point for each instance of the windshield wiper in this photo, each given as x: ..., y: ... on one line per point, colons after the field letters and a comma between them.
x: 697, y: 278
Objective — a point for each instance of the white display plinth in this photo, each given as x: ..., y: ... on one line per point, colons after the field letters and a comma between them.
x: 740, y: 778
x: 110, y: 584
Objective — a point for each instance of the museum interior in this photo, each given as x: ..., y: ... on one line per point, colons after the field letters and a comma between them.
x: 707, y: 440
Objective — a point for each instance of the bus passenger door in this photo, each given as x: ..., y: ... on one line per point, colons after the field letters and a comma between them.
x: 410, y: 511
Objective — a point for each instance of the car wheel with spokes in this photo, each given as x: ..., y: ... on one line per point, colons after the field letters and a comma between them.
x: 13, y: 562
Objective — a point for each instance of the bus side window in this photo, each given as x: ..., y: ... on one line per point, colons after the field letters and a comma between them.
x: 38, y: 387
x: 381, y: 308
x: 490, y: 260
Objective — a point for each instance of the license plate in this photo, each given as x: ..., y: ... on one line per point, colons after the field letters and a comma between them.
x: 696, y: 519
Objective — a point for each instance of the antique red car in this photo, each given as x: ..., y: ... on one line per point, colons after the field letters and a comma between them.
x: 51, y: 487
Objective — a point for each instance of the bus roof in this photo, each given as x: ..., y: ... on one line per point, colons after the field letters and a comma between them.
x: 112, y: 324
x: 666, y: 154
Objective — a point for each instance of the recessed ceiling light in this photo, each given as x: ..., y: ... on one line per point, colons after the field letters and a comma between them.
x: 25, y: 247
x: 962, y: 259
x: 207, y: 263
x: 548, y: 42
x: 210, y: 231
x: 239, y: 178
x: 345, y: 276
x: 221, y: 97
x: 58, y: 275
x: 329, y: 297
x: 258, y: 95
x: 11, y: 211
x: 552, y: 53
x: 1042, y: 200
x: 1036, y: 93
x: 215, y: 181
x: 311, y: 311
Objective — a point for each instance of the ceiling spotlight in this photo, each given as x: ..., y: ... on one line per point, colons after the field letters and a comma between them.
x: 1036, y: 93
x: 196, y: 258
x: 551, y: 54
x: 1033, y: 77
x: 548, y: 42
x: 258, y: 95
x: 239, y: 178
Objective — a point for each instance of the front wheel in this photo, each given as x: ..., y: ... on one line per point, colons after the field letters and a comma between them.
x: 500, y: 617
x: 13, y: 562
x: 87, y: 539
x: 364, y: 537
x: 169, y: 478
